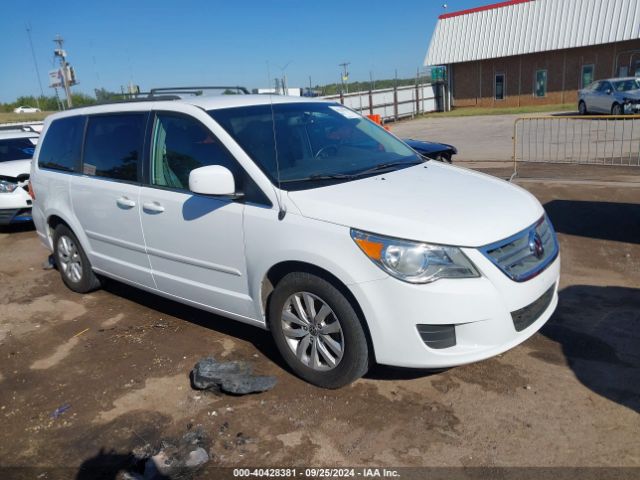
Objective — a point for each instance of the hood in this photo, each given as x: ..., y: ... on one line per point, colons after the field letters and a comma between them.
x: 13, y: 168
x: 631, y: 94
x: 431, y: 202
x: 424, y: 146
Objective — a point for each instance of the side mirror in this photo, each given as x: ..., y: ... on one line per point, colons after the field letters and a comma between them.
x: 213, y: 180
x: 608, y: 91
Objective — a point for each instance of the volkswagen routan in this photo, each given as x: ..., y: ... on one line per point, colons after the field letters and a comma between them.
x: 300, y: 217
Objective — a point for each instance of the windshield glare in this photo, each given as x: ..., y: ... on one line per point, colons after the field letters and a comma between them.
x: 626, y: 85
x: 312, y: 139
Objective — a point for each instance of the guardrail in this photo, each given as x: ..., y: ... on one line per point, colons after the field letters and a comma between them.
x: 579, y: 140
x: 391, y: 103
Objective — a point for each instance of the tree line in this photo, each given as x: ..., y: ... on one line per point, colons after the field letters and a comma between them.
x: 53, y: 103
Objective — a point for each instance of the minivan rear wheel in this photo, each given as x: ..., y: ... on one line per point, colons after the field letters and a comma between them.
x: 72, y: 262
x: 317, y: 331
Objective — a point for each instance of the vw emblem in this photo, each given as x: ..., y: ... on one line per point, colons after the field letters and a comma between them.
x: 535, y: 244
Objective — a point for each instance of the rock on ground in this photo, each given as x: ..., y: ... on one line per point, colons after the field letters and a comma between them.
x: 230, y: 377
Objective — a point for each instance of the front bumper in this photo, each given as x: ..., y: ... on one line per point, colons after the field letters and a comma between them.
x: 15, y: 207
x: 632, y: 107
x: 15, y: 215
x: 479, y: 309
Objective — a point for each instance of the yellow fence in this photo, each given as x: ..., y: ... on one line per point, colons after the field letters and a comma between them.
x: 581, y: 140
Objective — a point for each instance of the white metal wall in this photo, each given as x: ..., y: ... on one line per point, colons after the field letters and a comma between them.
x: 383, y: 101
x: 534, y: 26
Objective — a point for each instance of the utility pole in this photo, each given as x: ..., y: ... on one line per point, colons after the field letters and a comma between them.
x: 64, y: 68
x: 345, y: 75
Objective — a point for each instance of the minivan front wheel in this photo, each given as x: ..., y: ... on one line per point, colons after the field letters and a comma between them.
x: 72, y: 262
x: 317, y: 331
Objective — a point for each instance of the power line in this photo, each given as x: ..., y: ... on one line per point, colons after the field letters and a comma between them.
x: 35, y: 63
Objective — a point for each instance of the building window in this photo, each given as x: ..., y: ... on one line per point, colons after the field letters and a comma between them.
x: 541, y: 83
x: 587, y: 76
x: 499, y: 90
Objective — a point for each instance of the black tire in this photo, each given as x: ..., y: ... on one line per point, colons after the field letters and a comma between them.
x: 446, y: 158
x: 354, y: 362
x: 616, y: 109
x: 582, y: 108
x: 72, y: 261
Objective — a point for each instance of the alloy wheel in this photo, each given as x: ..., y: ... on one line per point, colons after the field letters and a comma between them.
x: 69, y: 259
x: 312, y: 331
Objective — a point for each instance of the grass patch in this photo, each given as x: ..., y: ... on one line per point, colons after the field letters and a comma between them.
x: 10, y: 117
x: 475, y: 111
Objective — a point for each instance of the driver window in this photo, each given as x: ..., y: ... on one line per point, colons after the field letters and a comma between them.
x: 181, y: 144
x: 604, y: 87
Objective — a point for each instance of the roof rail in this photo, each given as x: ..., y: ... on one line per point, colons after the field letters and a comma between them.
x: 133, y: 97
x: 167, y: 93
x: 197, y: 90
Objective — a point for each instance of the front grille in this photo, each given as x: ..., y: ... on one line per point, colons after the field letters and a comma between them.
x: 526, y: 316
x: 525, y: 254
x: 438, y: 336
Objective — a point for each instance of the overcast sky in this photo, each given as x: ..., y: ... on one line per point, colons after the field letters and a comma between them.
x: 170, y: 43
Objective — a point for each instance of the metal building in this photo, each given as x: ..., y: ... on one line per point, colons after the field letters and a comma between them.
x: 522, y: 52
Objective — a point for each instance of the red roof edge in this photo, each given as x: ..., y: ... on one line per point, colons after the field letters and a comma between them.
x: 483, y: 8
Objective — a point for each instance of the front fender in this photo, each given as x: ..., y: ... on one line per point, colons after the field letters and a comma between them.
x: 324, y: 245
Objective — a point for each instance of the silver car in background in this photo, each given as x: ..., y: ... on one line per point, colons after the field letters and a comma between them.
x: 614, y: 96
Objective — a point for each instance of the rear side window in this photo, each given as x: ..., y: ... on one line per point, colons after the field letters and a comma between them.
x: 113, y: 146
x: 62, y: 144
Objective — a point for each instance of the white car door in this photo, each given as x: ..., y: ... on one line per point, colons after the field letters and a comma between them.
x: 195, y: 242
x: 105, y: 197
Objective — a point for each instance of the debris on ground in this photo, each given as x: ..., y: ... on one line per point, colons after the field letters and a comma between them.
x: 230, y: 377
x: 60, y: 410
x: 172, y: 459
x: 49, y: 263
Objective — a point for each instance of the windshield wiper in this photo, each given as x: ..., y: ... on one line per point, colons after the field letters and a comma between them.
x: 385, y: 166
x: 321, y: 177
x: 351, y: 176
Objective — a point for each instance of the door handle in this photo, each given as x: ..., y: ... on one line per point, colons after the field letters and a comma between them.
x: 125, y: 202
x: 152, y: 207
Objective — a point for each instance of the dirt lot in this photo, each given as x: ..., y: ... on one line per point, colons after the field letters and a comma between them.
x: 120, y: 358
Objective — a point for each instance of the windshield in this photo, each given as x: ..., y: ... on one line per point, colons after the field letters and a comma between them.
x: 626, y: 85
x: 315, y: 142
x: 17, y: 149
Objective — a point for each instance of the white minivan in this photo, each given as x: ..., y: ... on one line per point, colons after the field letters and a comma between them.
x: 300, y: 217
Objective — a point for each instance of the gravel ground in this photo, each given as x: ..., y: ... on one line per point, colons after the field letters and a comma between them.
x: 118, y: 360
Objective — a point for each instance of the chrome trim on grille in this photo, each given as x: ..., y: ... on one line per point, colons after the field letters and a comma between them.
x: 527, y: 253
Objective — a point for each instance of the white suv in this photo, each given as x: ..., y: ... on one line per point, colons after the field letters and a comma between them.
x: 300, y: 217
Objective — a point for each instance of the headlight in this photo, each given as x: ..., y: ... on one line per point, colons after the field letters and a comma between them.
x: 7, y: 187
x: 414, y: 262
